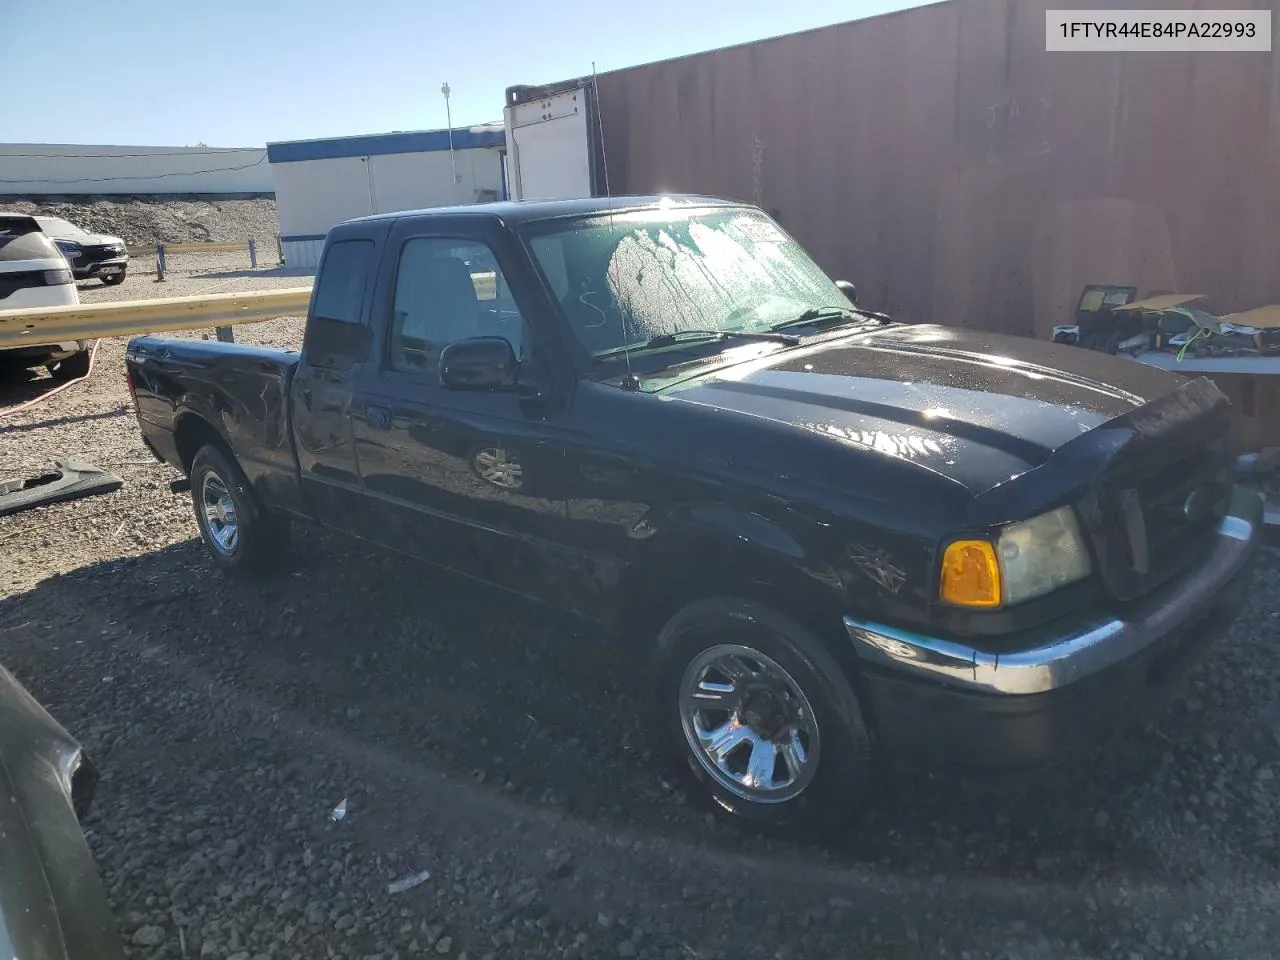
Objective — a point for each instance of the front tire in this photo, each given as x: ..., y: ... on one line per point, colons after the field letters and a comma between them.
x: 238, y: 533
x: 114, y: 280
x: 760, y: 717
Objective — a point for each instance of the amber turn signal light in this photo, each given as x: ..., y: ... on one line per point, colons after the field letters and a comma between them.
x: 970, y: 574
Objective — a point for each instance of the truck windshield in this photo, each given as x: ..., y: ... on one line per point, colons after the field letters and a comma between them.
x: 638, y: 279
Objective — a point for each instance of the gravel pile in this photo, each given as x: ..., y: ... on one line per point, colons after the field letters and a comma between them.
x: 168, y: 219
x: 502, y: 749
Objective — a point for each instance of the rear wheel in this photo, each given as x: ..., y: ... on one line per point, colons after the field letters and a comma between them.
x: 114, y: 279
x: 761, y: 718
x: 238, y: 532
x: 72, y: 368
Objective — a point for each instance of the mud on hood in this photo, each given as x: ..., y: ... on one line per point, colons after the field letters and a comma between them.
x: 981, y: 409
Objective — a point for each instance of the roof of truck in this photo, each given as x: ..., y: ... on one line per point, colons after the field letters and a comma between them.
x: 523, y: 211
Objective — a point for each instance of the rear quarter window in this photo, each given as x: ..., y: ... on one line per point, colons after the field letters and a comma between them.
x: 341, y: 281
x: 24, y: 240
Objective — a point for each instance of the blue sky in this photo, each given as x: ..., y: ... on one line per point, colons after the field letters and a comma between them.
x: 242, y: 72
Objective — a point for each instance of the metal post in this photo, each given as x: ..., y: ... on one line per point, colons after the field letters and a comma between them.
x: 159, y: 262
x: 448, y: 114
x: 225, y: 334
x: 253, y: 255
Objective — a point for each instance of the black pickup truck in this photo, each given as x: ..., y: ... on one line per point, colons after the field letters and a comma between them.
x: 830, y: 536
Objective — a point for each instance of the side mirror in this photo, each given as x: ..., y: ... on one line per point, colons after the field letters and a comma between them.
x: 479, y: 363
x: 849, y: 290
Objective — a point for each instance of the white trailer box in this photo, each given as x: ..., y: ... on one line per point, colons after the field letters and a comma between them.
x: 552, y: 142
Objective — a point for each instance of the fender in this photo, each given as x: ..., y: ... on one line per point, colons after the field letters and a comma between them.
x: 193, y: 426
x: 714, y: 548
x: 274, y: 477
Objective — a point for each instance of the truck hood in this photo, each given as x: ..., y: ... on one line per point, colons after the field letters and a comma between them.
x: 977, y: 408
x: 90, y: 239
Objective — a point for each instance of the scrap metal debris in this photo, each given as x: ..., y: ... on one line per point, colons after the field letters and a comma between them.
x: 409, y: 882
x: 339, y: 812
x: 69, y: 480
x: 1258, y: 462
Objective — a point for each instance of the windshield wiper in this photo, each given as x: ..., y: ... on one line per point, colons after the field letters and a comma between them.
x: 699, y: 336
x: 831, y: 316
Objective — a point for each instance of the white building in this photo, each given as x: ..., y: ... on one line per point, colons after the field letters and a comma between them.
x: 320, y: 183
x: 43, y: 169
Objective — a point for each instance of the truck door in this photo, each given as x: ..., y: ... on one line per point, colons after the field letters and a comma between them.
x: 551, y: 142
x: 467, y: 480
x: 334, y: 352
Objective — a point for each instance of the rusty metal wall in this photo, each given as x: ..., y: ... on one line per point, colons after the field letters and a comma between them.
x: 958, y: 173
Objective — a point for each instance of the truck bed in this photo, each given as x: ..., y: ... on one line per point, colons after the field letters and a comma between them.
x: 184, y: 386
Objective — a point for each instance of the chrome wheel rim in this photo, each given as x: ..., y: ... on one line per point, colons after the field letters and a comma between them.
x: 219, y: 514
x: 748, y: 724
x: 495, y: 466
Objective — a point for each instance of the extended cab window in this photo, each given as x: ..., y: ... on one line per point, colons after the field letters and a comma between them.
x: 341, y: 281
x: 334, y: 337
x: 448, y: 290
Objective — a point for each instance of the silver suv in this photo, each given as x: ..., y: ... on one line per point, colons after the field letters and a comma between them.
x: 34, y: 273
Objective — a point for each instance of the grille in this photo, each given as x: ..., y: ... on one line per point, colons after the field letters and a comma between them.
x: 102, y: 252
x: 1159, y: 512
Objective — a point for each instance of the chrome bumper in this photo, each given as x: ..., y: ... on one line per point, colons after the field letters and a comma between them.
x: 1085, y: 651
x: 97, y: 266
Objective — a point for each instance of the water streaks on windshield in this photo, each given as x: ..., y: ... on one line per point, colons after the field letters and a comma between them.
x: 661, y: 272
x: 691, y: 275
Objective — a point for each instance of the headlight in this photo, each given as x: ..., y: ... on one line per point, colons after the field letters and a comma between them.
x: 1039, y: 555
x: 1029, y: 559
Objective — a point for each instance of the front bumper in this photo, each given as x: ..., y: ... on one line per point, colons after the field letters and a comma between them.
x: 93, y: 268
x: 941, y: 700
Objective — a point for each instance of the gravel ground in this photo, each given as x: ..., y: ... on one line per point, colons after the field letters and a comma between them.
x: 173, y: 220
x: 500, y: 748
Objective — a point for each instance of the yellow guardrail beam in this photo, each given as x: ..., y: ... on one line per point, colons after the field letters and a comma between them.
x: 149, y: 249
x: 22, y: 328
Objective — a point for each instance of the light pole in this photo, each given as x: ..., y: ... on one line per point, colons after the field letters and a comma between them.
x: 453, y: 165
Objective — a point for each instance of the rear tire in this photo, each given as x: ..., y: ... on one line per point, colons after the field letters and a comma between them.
x: 238, y: 533
x: 114, y: 280
x: 72, y: 368
x: 787, y: 747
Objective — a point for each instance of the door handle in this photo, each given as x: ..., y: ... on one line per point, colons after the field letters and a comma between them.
x: 378, y: 417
